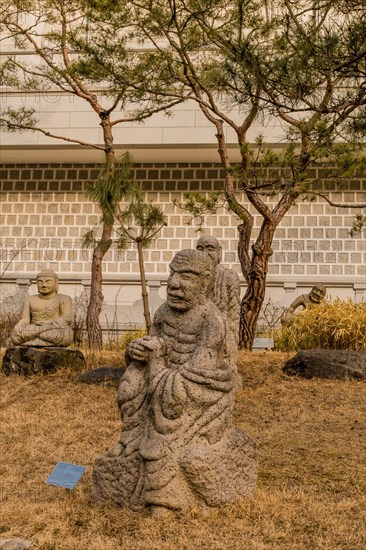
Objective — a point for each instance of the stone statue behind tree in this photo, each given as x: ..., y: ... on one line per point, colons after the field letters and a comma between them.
x: 315, y: 297
x: 47, y: 317
x: 226, y: 296
x: 178, y: 448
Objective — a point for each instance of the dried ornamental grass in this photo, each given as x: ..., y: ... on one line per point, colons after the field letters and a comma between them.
x: 130, y: 335
x: 8, y: 319
x: 337, y: 325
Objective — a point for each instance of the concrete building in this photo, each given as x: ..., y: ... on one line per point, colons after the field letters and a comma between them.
x: 44, y: 212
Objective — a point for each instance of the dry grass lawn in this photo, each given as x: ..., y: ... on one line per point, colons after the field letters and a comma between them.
x: 311, y: 492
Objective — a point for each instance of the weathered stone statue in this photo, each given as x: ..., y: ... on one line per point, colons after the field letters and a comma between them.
x: 226, y: 296
x: 178, y: 448
x: 315, y: 296
x: 47, y: 317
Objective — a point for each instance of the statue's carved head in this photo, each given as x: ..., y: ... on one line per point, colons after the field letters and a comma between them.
x: 47, y: 282
x: 317, y: 293
x: 191, y: 272
x: 210, y: 246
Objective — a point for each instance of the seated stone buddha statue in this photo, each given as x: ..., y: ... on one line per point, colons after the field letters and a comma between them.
x: 47, y: 316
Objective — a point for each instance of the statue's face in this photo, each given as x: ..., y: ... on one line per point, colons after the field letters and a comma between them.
x: 47, y: 286
x: 211, y: 247
x: 316, y: 295
x: 185, y: 288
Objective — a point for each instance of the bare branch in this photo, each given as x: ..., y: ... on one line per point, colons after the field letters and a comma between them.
x: 142, y: 116
x: 339, y: 204
x: 14, y: 126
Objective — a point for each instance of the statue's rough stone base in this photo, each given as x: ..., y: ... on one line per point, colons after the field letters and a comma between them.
x: 109, y: 469
x: 209, y: 475
x: 26, y: 360
x: 332, y: 364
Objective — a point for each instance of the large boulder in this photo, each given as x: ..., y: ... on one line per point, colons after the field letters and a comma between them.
x: 324, y: 363
x: 28, y: 360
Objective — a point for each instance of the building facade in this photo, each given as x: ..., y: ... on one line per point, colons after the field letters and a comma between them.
x: 44, y: 215
x: 44, y: 212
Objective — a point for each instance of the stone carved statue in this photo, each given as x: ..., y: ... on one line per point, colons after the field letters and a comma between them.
x: 178, y: 448
x: 47, y: 317
x: 226, y: 296
x: 315, y: 296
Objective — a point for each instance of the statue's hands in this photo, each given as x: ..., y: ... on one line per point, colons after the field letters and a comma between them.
x: 142, y: 348
x: 154, y: 345
x: 137, y: 351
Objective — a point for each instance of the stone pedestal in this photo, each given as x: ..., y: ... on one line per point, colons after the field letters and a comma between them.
x: 27, y: 360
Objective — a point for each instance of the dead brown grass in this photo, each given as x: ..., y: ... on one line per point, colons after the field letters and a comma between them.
x: 312, y: 467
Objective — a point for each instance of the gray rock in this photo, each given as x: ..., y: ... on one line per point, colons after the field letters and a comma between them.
x: 15, y: 544
x: 109, y: 376
x: 28, y: 360
x: 178, y: 448
x: 332, y: 364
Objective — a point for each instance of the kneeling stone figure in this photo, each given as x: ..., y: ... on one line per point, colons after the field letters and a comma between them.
x: 178, y: 448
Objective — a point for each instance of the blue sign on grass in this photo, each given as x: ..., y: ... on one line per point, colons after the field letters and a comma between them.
x: 66, y: 475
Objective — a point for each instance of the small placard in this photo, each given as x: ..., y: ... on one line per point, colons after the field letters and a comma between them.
x: 66, y: 475
x: 263, y: 343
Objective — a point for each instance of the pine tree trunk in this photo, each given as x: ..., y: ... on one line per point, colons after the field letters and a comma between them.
x: 251, y: 303
x: 94, y: 329
x: 144, y: 293
x: 256, y: 276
